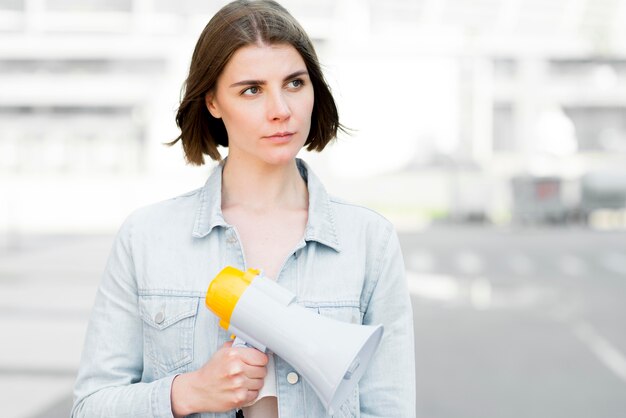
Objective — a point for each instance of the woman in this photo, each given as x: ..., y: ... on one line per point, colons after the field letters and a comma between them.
x: 254, y: 86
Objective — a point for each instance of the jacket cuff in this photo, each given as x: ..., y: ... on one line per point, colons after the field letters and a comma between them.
x: 161, y: 402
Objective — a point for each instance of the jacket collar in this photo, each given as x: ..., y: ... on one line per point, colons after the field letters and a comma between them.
x: 320, y: 225
x: 209, y: 214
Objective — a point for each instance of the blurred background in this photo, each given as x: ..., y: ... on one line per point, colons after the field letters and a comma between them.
x: 491, y: 132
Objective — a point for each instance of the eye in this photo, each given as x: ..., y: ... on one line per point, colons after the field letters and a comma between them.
x: 251, y: 91
x: 295, y: 83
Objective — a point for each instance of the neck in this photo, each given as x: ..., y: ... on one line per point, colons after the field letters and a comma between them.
x: 262, y: 187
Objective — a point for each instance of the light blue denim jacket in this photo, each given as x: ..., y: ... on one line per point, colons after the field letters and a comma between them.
x: 149, y: 322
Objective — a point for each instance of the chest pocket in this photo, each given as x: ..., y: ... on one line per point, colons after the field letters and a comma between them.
x: 168, y: 332
x: 344, y: 312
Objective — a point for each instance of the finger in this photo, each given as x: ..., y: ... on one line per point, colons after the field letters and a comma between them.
x: 227, y: 344
x: 233, y: 364
x: 244, y: 397
x: 239, y: 383
x: 251, y: 396
x: 254, y: 372
x: 254, y: 384
x: 242, y: 369
x: 240, y: 396
x: 253, y: 357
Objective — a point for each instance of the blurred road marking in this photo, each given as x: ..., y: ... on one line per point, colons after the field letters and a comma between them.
x: 610, y: 356
x: 469, y: 263
x: 615, y: 262
x: 44, y: 313
x: 571, y: 265
x: 431, y: 286
x: 421, y: 261
x: 480, y: 293
x: 37, y: 371
x: 521, y: 264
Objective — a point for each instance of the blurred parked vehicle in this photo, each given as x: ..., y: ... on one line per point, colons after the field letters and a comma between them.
x: 602, y: 189
x: 540, y: 199
x: 537, y: 199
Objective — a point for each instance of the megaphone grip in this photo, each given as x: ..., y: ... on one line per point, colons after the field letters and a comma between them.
x: 241, y: 343
x: 244, y: 340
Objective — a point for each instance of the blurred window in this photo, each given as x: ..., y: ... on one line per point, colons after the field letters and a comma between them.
x: 308, y: 8
x: 471, y: 14
x: 86, y: 66
x: 312, y: 8
x: 394, y: 12
x: 582, y: 68
x: 67, y: 139
x: 12, y: 5
x: 599, y: 128
x: 89, y: 5
x: 186, y: 7
x: 63, y: 110
x: 503, y: 128
x: 505, y: 68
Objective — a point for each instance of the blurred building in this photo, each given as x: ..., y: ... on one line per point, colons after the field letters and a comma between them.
x: 449, y: 99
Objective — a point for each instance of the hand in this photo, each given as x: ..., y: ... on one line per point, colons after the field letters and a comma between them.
x: 230, y: 379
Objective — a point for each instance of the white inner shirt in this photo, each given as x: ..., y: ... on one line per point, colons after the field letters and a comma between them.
x: 266, y: 404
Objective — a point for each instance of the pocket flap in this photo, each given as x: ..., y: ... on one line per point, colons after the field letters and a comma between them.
x: 161, y: 312
x: 345, y: 311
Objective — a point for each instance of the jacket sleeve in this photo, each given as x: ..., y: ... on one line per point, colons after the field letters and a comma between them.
x: 108, y: 382
x: 387, y: 388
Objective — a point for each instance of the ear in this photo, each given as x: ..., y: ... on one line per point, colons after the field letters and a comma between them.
x: 211, y: 105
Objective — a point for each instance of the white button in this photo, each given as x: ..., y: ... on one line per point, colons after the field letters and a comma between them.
x: 292, y: 378
x: 159, y: 318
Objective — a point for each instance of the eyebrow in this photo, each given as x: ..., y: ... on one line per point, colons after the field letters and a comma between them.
x: 262, y: 82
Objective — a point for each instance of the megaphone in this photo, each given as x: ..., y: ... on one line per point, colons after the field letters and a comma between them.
x: 331, y: 355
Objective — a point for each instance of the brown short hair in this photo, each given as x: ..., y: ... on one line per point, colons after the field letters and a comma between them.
x: 238, y: 24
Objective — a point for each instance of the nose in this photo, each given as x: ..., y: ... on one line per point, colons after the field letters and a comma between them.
x: 278, y: 107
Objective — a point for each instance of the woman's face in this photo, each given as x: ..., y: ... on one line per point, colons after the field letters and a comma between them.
x: 264, y: 96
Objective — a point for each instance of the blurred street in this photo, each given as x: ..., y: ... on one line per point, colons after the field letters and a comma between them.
x: 508, y: 322
x: 47, y: 287
x: 518, y: 323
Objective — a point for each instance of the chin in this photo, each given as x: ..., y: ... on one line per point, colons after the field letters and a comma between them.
x: 282, y: 159
x: 280, y: 156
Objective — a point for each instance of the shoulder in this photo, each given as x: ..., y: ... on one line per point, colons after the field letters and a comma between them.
x: 355, y: 217
x: 362, y: 213
x: 165, y: 214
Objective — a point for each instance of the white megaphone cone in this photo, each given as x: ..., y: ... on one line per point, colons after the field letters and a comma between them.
x: 330, y: 355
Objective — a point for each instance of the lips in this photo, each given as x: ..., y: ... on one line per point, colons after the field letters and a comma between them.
x: 279, y: 136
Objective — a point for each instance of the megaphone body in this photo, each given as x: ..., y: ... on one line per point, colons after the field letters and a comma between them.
x: 331, y: 355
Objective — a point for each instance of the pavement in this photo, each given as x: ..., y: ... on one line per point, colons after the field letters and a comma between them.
x: 518, y: 322
x: 508, y: 322
x: 47, y: 288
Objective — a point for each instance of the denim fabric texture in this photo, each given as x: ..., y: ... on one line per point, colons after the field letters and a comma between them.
x: 149, y: 322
